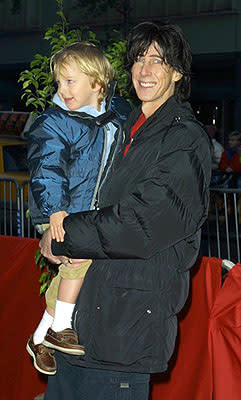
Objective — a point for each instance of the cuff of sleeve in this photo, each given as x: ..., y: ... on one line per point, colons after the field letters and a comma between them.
x: 58, y: 248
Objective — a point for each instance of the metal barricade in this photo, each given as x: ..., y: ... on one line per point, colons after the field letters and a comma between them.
x: 221, y: 232
x: 14, y: 220
x: 10, y: 220
x: 220, y: 236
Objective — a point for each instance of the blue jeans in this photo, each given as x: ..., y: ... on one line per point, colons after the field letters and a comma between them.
x: 78, y: 383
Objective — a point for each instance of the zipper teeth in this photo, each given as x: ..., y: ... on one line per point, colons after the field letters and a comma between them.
x: 92, y: 204
x: 110, y: 163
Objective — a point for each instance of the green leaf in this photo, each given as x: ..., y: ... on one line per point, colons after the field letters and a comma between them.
x: 43, y: 277
x: 43, y: 263
x: 30, y: 100
x: 43, y: 287
x: 37, y: 256
x: 26, y: 84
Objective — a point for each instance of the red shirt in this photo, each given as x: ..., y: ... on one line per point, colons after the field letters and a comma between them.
x: 234, y: 163
x: 134, y: 129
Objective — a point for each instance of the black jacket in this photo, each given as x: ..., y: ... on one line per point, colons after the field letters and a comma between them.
x: 143, y: 239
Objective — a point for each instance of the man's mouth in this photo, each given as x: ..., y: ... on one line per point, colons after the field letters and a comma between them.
x: 147, y: 84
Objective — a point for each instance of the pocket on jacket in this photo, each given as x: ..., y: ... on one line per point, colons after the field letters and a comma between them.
x: 123, y: 326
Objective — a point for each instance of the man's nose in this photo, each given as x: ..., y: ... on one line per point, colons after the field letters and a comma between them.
x: 145, y: 68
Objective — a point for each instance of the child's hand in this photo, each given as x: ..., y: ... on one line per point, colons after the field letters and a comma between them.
x: 228, y: 170
x: 56, y: 225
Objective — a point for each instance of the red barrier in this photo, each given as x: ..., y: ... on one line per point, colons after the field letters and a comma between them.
x: 20, y: 312
x: 206, y: 363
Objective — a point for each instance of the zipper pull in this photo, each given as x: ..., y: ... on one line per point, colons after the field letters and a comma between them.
x: 96, y: 206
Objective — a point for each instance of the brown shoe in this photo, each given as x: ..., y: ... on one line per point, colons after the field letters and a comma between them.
x: 43, y: 358
x: 65, y: 341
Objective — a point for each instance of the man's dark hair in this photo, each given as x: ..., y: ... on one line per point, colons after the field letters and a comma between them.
x: 175, y: 51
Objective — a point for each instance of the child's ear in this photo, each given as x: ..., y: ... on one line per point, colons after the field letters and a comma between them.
x: 96, y: 87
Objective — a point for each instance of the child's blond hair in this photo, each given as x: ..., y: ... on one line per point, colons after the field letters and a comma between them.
x: 90, y: 60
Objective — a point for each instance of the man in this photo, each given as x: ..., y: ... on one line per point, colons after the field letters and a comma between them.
x: 144, y: 234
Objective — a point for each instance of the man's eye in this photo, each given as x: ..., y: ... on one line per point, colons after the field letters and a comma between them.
x: 140, y: 59
x: 157, y: 61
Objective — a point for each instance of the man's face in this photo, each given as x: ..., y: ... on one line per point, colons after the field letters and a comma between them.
x: 75, y: 89
x: 153, y: 80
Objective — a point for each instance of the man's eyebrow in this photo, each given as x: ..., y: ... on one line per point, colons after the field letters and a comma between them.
x: 151, y: 55
x: 155, y: 55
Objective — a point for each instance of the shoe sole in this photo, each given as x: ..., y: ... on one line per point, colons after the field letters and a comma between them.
x: 29, y: 350
x: 73, y: 352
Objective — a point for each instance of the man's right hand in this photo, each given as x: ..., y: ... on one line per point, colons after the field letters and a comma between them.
x: 45, y: 247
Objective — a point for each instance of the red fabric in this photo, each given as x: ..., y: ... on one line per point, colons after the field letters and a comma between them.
x: 207, y: 364
x: 225, y: 338
x: 207, y: 360
x: 189, y: 373
x: 20, y: 312
x: 234, y: 163
x: 134, y: 129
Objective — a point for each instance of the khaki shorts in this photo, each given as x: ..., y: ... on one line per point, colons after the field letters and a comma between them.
x: 66, y: 273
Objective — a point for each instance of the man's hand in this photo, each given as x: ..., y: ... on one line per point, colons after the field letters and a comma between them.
x: 228, y: 170
x: 45, y: 246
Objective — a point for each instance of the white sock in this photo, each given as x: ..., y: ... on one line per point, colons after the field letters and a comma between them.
x: 62, y: 316
x: 42, y: 328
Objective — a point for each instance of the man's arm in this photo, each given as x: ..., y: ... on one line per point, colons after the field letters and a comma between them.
x: 167, y: 207
x: 45, y: 246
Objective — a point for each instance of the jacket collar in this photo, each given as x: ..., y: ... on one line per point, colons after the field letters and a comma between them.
x: 167, y: 114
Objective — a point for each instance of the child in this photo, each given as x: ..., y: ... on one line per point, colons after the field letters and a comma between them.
x: 230, y: 159
x: 68, y: 147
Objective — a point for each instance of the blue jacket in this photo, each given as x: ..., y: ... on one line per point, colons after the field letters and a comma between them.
x: 67, y: 152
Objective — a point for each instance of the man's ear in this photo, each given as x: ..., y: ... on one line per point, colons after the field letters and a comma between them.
x: 176, y: 76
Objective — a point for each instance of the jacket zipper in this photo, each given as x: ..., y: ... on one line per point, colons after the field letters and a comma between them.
x: 92, y: 204
x: 96, y: 200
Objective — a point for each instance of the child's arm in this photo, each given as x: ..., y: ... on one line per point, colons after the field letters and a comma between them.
x: 56, y: 225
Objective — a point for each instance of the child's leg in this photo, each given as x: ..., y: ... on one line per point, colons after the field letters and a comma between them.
x: 67, y: 295
x: 48, y: 315
x: 61, y: 335
x: 44, y: 325
x: 43, y: 357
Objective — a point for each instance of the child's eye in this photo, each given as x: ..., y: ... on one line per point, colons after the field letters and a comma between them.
x: 70, y: 81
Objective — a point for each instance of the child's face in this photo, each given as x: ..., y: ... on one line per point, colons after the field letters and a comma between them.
x: 233, y: 142
x: 74, y: 88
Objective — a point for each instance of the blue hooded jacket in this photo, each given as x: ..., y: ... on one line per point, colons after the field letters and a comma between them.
x: 67, y: 153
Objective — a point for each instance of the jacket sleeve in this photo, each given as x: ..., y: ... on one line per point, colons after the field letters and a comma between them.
x: 48, y: 155
x: 169, y: 205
